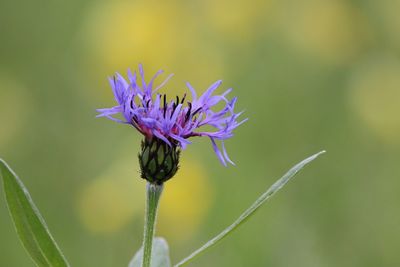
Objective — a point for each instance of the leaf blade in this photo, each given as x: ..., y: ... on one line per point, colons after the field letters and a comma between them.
x: 29, y: 224
x: 253, y: 208
x: 159, y: 256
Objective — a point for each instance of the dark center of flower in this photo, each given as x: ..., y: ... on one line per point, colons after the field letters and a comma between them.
x: 179, y: 101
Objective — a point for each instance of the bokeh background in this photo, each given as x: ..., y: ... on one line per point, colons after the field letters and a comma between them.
x: 311, y: 75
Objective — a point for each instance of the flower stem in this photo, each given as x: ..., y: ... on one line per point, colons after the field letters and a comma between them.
x: 153, y: 193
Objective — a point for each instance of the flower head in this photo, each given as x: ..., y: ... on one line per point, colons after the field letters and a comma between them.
x: 173, y: 122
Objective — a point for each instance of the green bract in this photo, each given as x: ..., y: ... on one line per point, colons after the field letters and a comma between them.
x: 158, y: 160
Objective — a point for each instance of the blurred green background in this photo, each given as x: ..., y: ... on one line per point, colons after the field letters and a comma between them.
x: 311, y: 75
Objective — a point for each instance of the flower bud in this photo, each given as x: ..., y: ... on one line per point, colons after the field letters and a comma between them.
x: 158, y: 161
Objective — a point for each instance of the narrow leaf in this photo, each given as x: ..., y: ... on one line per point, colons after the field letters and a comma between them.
x: 250, y: 211
x: 159, y: 256
x: 30, y: 225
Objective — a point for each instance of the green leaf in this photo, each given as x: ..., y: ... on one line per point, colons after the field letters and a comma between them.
x: 159, y: 255
x: 30, y: 226
x: 252, y: 209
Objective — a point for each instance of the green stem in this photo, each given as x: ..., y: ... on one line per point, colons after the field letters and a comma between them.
x: 153, y: 193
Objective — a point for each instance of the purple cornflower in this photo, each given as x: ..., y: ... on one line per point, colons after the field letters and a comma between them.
x: 175, y: 121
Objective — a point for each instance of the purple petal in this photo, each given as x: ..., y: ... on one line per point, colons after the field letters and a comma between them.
x: 149, y: 122
x: 117, y: 90
x: 122, y: 80
x: 150, y: 86
x: 108, y: 111
x: 160, y: 136
x: 209, y: 91
x: 226, y: 154
x: 115, y: 119
x: 181, y: 140
x: 218, y: 152
x: 194, y: 95
x: 142, y: 76
x: 176, y: 113
x: 156, y: 107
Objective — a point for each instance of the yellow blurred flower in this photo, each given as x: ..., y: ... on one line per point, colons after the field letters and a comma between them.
x: 117, y: 197
x: 112, y: 200
x: 375, y: 94
x: 238, y: 20
x: 120, y: 34
x: 185, y: 201
x: 331, y: 30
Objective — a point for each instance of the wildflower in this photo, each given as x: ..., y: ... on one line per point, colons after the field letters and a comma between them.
x: 167, y: 125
